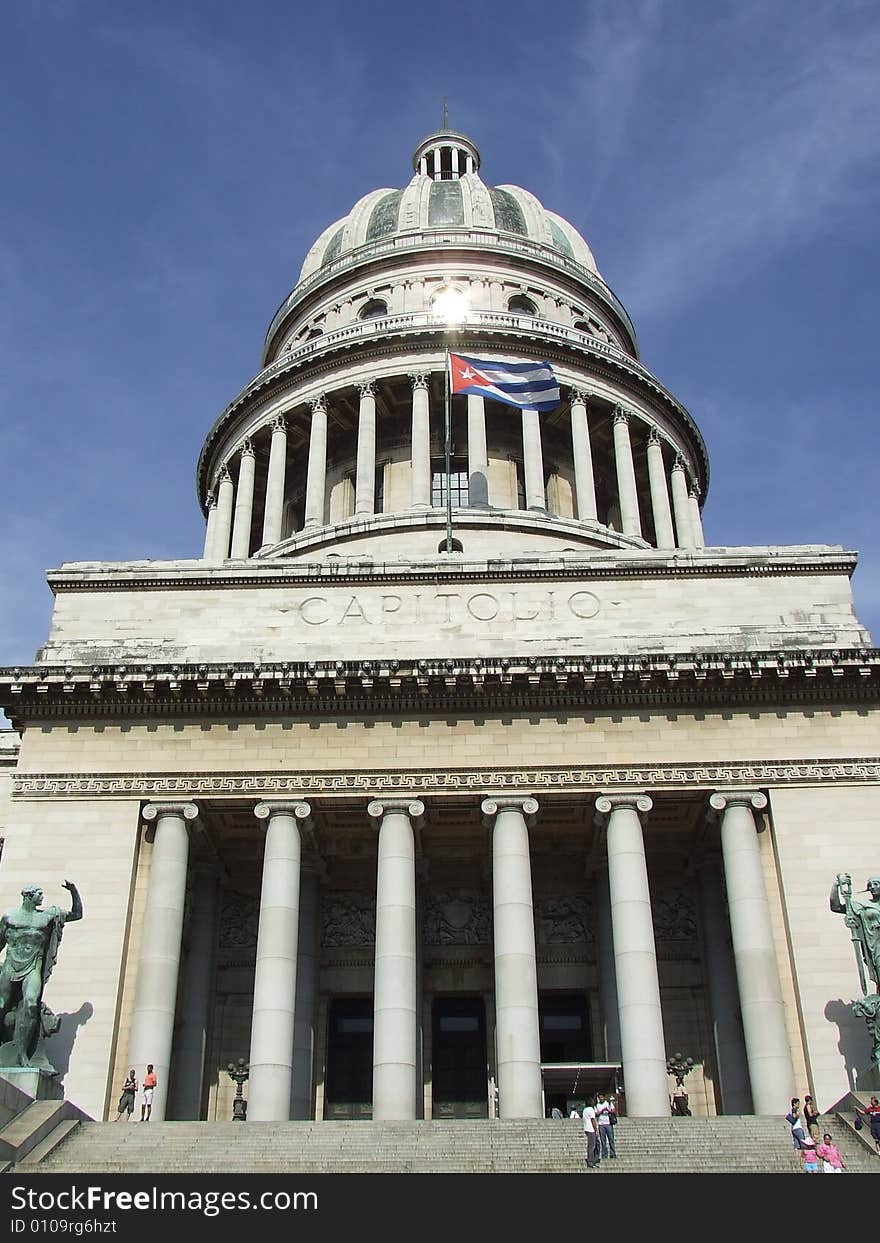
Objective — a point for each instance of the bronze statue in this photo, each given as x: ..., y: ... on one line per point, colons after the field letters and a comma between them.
x: 862, y: 915
x: 31, y: 937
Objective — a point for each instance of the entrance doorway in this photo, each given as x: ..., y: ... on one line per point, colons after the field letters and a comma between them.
x: 565, y: 1041
x: 349, y: 1091
x: 458, y: 1058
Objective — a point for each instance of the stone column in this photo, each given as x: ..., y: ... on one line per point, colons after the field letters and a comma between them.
x: 533, y: 460
x: 316, y: 471
x: 365, y: 483
x: 271, y: 1057
x: 152, y: 1024
x: 659, y: 493
x: 626, y: 475
x: 197, y: 992
x: 517, y: 1039
x: 730, y: 1053
x: 760, y: 994
x: 635, y: 959
x: 304, y: 1010
x: 273, y: 511
x: 582, y: 452
x: 478, y: 457
x: 454, y: 162
x: 607, y: 977
x: 681, y: 506
x: 421, y: 443
x: 210, y: 527
x: 696, y: 519
x: 244, y: 503
x: 395, y: 1020
x: 223, y: 525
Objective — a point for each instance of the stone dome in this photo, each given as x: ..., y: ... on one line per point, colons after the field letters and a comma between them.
x: 447, y: 193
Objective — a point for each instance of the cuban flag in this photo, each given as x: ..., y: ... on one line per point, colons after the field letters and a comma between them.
x: 530, y: 386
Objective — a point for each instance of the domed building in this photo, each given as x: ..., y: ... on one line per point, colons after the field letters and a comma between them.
x: 458, y: 778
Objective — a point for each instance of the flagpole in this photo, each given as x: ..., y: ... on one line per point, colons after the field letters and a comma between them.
x: 448, y: 430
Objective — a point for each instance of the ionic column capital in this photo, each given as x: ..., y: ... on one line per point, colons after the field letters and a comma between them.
x: 621, y: 415
x: 247, y: 448
x: 296, y: 808
x: 319, y: 404
x: 210, y: 501
x: 419, y: 380
x: 524, y: 803
x: 636, y: 801
x: 581, y: 395
x: 367, y: 389
x: 722, y: 799
x: 694, y: 492
x: 279, y: 424
x: 188, y: 811
x: 654, y: 437
x: 223, y: 475
x: 680, y: 464
x: 412, y: 807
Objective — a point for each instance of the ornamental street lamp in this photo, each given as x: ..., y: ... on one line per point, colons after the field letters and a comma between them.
x: 681, y: 1067
x: 238, y: 1072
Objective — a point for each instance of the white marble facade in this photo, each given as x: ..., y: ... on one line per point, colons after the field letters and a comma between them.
x: 407, y: 826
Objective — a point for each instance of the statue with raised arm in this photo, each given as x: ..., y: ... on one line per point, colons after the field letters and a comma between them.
x: 31, y: 936
x: 861, y: 914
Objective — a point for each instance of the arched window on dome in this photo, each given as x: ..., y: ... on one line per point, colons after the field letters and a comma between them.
x: 582, y: 326
x: 521, y: 305
x: 374, y: 309
x: 315, y: 332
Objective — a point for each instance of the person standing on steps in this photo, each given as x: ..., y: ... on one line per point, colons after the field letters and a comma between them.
x: 126, y: 1100
x: 794, y: 1120
x: 149, y: 1085
x: 829, y: 1155
x: 811, y: 1118
x: 605, y: 1116
x: 810, y: 1157
x: 591, y: 1137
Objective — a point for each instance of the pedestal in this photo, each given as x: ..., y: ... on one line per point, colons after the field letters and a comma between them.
x: 41, y: 1085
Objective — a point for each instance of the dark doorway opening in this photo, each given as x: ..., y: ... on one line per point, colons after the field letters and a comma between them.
x: 565, y: 1038
x: 349, y: 1092
x: 458, y: 1055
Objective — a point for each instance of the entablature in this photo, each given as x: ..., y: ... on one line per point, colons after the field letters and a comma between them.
x: 441, y: 684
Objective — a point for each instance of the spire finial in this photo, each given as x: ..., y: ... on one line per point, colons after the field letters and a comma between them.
x: 445, y: 114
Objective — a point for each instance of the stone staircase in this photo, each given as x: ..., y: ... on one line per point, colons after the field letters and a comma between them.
x: 645, y: 1145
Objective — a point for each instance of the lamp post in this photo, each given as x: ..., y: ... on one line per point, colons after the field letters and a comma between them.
x: 238, y: 1072
x: 681, y: 1067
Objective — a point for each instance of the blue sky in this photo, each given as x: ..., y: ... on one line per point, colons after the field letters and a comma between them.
x: 167, y: 166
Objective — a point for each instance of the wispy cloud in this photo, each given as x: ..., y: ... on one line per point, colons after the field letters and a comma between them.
x: 770, y: 159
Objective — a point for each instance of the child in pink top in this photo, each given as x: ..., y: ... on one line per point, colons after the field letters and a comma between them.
x: 810, y: 1157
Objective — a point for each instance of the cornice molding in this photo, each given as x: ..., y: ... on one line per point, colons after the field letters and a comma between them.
x: 488, y: 782
x: 614, y: 563
x: 657, y: 682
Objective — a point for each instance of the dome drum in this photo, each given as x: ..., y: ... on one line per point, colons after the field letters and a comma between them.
x: 321, y: 474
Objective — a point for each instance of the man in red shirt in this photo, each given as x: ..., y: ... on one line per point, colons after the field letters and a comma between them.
x: 149, y: 1085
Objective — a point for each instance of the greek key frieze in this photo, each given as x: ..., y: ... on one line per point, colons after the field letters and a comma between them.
x: 483, y: 780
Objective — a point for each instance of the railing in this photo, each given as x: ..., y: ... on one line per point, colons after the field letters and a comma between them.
x: 429, y: 240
